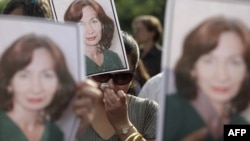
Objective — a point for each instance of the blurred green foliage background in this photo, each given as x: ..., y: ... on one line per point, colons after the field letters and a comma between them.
x: 127, y: 10
x: 2, y: 3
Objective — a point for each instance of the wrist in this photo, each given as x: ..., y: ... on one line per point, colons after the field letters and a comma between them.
x: 124, y: 129
x: 118, y: 126
x: 128, y: 132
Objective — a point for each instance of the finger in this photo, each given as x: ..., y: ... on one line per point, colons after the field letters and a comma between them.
x: 83, y: 102
x: 198, y: 135
x: 107, y: 100
x: 83, y: 105
x: 122, y: 96
x: 111, y: 95
x: 202, y: 134
x: 82, y: 112
x: 88, y: 82
x: 88, y: 91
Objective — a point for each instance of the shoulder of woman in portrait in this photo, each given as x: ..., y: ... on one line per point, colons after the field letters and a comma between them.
x: 54, y: 130
x: 176, y: 101
x: 238, y: 119
x: 2, y: 115
x: 109, y: 52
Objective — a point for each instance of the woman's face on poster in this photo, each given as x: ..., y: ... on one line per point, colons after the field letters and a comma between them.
x: 92, y: 26
x: 141, y: 33
x: 34, y: 87
x: 219, y: 74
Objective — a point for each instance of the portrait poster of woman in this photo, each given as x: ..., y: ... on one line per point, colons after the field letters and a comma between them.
x: 40, y: 34
x: 104, y: 49
x: 201, y: 39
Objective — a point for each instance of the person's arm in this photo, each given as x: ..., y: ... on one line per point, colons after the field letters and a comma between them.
x: 198, y: 135
x: 152, y: 88
x: 86, y: 97
x: 116, y: 107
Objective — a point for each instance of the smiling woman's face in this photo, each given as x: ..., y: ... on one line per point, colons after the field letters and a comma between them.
x: 92, y: 26
x: 219, y: 74
x: 34, y: 87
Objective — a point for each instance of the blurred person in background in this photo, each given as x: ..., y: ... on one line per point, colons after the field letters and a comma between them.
x: 153, y: 88
x: 212, y: 79
x: 33, y: 8
x: 147, y: 31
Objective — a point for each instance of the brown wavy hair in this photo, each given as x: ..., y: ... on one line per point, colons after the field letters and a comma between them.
x: 19, y: 55
x: 74, y: 14
x: 38, y: 8
x: 202, y: 40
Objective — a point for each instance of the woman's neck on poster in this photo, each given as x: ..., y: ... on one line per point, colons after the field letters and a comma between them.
x: 26, y: 118
x: 92, y: 50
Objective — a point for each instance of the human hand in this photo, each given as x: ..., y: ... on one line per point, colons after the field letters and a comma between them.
x: 87, y: 96
x: 198, y: 135
x: 116, y: 107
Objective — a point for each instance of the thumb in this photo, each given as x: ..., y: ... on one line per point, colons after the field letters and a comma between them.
x: 121, y: 95
x: 198, y: 135
x: 202, y: 132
